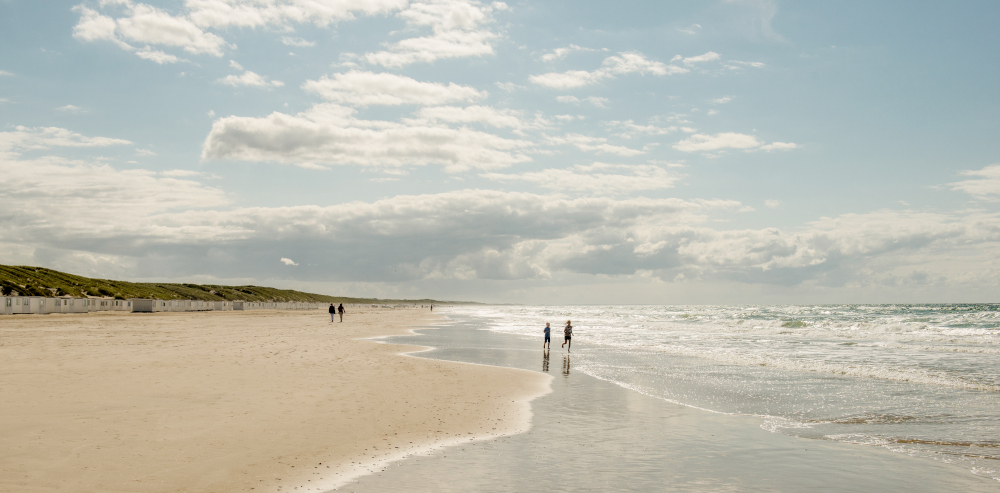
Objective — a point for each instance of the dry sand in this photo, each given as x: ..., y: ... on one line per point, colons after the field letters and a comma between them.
x: 232, y: 401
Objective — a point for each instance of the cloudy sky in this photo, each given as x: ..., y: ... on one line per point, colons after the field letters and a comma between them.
x: 740, y: 151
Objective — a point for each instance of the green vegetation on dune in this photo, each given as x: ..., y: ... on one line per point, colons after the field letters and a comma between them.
x: 39, y: 281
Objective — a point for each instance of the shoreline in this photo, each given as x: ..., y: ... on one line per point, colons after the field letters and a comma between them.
x: 520, y: 424
x: 231, y: 401
x: 591, y: 434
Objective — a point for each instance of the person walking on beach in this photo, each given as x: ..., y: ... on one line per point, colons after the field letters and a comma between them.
x: 568, y: 335
x: 340, y: 309
x: 548, y: 339
x: 333, y: 312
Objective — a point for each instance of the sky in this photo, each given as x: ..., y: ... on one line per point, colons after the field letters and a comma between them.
x: 545, y: 152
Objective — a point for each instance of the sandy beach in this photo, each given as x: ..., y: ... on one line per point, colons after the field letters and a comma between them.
x: 233, y: 401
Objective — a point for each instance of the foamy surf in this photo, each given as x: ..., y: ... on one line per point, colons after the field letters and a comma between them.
x: 917, y: 379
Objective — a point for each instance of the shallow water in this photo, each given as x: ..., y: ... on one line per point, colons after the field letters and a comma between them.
x: 917, y: 379
x: 593, y: 435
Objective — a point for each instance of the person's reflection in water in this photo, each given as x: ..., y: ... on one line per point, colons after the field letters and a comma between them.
x: 545, y: 361
x: 566, y: 365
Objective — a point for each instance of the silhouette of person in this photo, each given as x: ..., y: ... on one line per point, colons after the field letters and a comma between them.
x: 340, y: 309
x: 333, y: 312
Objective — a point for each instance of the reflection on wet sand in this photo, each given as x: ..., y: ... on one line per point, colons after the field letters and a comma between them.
x: 545, y: 361
x: 591, y: 435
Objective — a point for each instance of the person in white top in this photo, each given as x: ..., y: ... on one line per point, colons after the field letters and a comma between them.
x: 568, y: 335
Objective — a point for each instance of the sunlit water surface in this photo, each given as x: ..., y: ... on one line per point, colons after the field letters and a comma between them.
x: 917, y: 379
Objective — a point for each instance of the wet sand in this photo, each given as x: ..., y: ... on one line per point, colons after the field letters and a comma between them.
x: 233, y: 401
x: 592, y: 435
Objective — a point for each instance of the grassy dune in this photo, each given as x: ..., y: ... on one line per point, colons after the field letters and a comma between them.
x: 39, y: 281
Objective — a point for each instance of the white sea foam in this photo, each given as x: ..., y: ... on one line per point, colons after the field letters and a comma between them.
x: 918, y: 379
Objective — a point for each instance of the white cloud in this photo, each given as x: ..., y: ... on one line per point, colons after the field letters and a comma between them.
x: 180, y: 173
x: 156, y: 56
x: 368, y: 88
x: 773, y: 204
x: 729, y: 140
x: 329, y: 134
x: 984, y: 185
x: 4, y: 73
x: 570, y: 79
x: 280, y: 13
x: 594, y: 100
x: 457, y: 32
x: 486, y: 234
x: 623, y: 63
x: 299, y: 42
x: 448, y: 44
x: 738, y: 65
x: 473, y: 114
x: 722, y: 100
x: 593, y: 144
x: 93, y: 26
x: 249, y: 79
x: 57, y: 199
x: 508, y: 86
x: 779, y: 146
x: 130, y: 22
x: 631, y: 129
x: 707, y: 57
x: 61, y: 206
x: 288, y: 261
x: 692, y: 29
x: 38, y: 138
x: 69, y: 107
x: 595, y: 178
x: 147, y: 25
x: 465, y: 234
x: 725, y: 140
x: 560, y: 53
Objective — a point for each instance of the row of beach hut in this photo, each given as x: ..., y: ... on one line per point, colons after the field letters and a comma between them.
x: 13, y: 305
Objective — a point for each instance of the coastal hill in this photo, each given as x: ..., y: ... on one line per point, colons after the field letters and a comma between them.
x: 38, y: 281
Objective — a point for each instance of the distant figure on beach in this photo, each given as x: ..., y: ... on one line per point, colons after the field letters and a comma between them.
x: 340, y: 309
x: 432, y: 306
x: 548, y: 338
x: 568, y: 335
x: 333, y: 312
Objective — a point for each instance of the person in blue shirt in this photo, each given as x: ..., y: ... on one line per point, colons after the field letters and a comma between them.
x: 548, y: 337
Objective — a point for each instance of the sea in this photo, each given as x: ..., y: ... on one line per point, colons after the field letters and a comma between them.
x: 921, y: 380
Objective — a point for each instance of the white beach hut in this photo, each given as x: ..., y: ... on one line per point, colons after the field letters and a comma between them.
x: 20, y: 305
x: 77, y: 305
x: 140, y: 305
